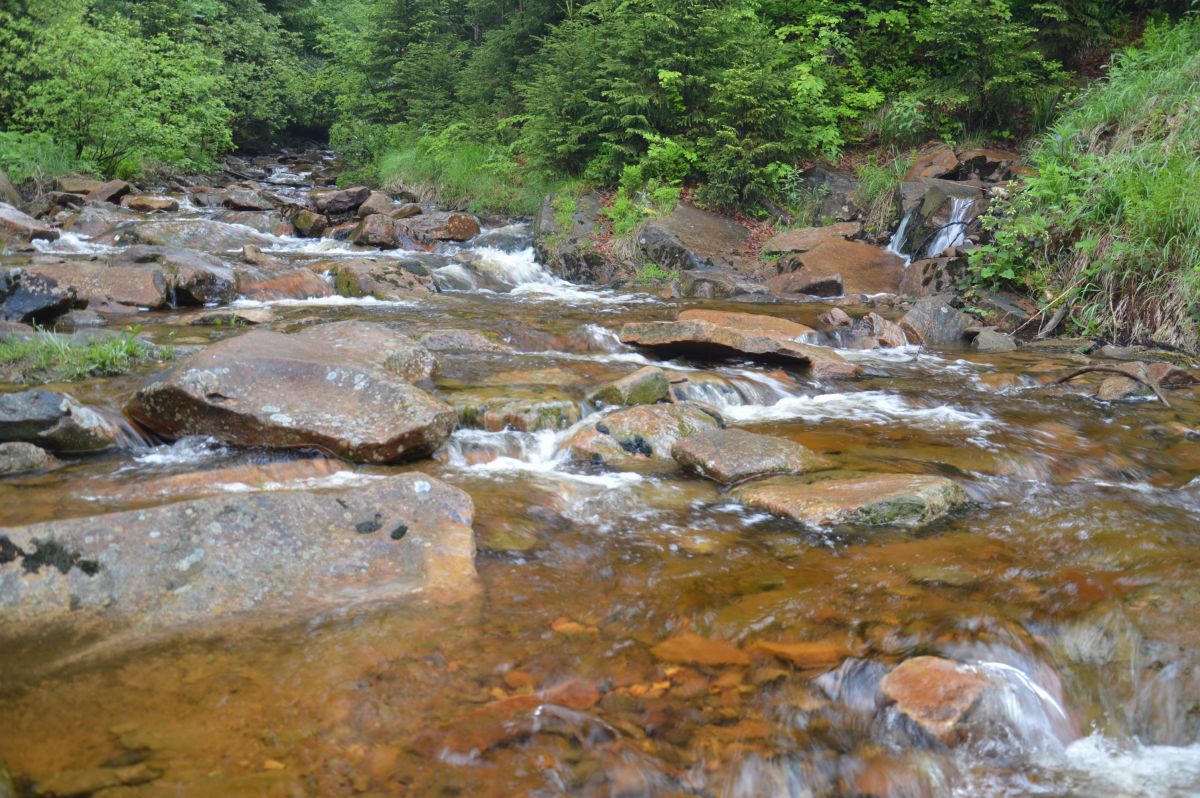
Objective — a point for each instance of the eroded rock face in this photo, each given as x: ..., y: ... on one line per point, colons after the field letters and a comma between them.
x: 937, y: 694
x: 689, y: 238
x: 268, y: 389
x: 23, y: 227
x: 907, y: 500
x: 806, y: 238
x: 645, y: 433
x: 860, y: 268
x: 54, y: 421
x: 734, y: 455
x: 718, y: 335
x: 277, y: 552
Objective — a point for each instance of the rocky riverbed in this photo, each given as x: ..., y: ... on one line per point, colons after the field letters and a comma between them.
x: 390, y: 504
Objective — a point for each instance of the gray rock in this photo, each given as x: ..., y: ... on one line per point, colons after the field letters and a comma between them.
x: 19, y: 458
x: 20, y: 225
x: 339, y: 203
x: 566, y: 245
x: 932, y: 322
x: 376, y: 202
x: 112, y: 191
x: 275, y: 553
x: 992, y: 341
x: 54, y: 421
x: 82, y: 320
x: 195, y: 278
x: 246, y: 199
x: 692, y: 239
x: 640, y: 434
x: 33, y: 299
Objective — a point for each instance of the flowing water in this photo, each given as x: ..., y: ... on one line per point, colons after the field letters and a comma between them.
x: 953, y: 233
x: 1071, y: 582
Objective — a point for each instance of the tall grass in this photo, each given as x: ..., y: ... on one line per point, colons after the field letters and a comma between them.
x: 878, y: 191
x: 46, y: 356
x: 1110, y: 225
x: 37, y: 158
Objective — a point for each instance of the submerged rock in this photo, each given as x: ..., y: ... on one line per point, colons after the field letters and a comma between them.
x: 692, y: 649
x: 644, y: 433
x: 907, y: 500
x: 20, y: 458
x: 54, y: 421
x: 268, y: 389
x: 734, y: 455
x: 528, y: 408
x: 645, y: 386
x: 275, y: 552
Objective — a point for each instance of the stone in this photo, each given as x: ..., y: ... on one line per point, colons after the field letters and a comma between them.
x: 19, y: 458
x: 1114, y: 388
x: 33, y: 298
x: 711, y: 284
x: 937, y: 160
x: 292, y: 284
x: 297, y: 391
x: 833, y: 319
x: 906, y: 500
x: 808, y: 654
x: 89, y: 780
x: 274, y: 553
x: 248, y: 199
x: 309, y: 224
x: 376, y: 202
x: 233, y: 317
x: 256, y: 257
x: 992, y: 341
x: 460, y: 341
x: 1000, y: 381
x: 142, y: 286
x: 406, y: 211
x: 54, y: 421
x: 645, y: 433
x: 734, y: 455
x: 144, y: 203
x: 934, y: 693
x: 81, y: 320
x: 566, y: 230
x: 381, y: 231
x: 442, y: 226
x: 987, y: 164
x: 339, y: 203
x: 862, y: 268
x: 194, y: 278
x: 932, y: 322
x: 838, y: 192
x: 203, y: 234
x: 689, y: 239
x: 528, y: 408
x: 78, y: 185
x: 927, y: 277
x: 374, y: 345
x: 716, y: 335
x: 645, y: 386
x: 384, y: 280
x: 807, y: 284
x: 806, y: 238
x: 692, y: 649
x: 870, y: 332
x: 23, y: 227
x: 112, y: 191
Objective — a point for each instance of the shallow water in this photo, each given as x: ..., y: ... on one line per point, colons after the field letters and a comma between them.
x: 1072, y: 579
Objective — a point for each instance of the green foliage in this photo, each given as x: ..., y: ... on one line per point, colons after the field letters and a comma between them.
x: 49, y: 357
x: 35, y: 157
x: 1111, y: 223
x: 652, y: 273
x: 879, y: 181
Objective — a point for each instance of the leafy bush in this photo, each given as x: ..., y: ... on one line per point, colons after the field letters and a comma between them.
x: 879, y: 181
x: 36, y: 157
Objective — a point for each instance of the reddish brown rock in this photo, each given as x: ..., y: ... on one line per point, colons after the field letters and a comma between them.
x: 806, y: 238
x: 937, y: 160
x: 112, y: 191
x: 452, y: 226
x: 20, y: 225
x: 937, y: 694
x: 734, y: 455
x: 135, y: 285
x: 861, y: 268
x: 907, y: 500
x: 644, y: 433
x: 145, y: 203
x: 294, y: 284
x: 692, y: 649
x: 807, y: 654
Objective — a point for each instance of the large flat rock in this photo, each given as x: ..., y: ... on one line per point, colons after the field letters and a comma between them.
x: 690, y: 238
x: 644, y: 433
x: 136, y: 285
x: 907, y: 500
x: 734, y: 455
x: 18, y: 224
x: 304, y: 390
x: 276, y: 552
x: 859, y: 267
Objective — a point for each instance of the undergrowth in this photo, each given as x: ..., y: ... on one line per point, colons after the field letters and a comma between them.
x: 48, y: 357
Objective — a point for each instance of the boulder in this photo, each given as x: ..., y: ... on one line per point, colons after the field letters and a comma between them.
x: 204, y: 234
x: 296, y: 391
x: 78, y: 185
x: 384, y: 280
x: 23, y: 227
x: 934, y: 693
x: 376, y: 202
x: 274, y: 553
x: 292, y: 284
x: 54, y: 421
x: 381, y: 231
x: 734, y: 455
x: 33, y: 298
x: 11, y: 194
x: 144, y: 203
x: 566, y: 231
x: 838, y: 191
x: 714, y: 284
x: 931, y: 276
x: 833, y: 319
x: 272, y: 223
x: 309, y: 224
x: 907, y: 500
x: 81, y: 320
x: 95, y: 219
x: 195, y: 278
x: 112, y: 191
x: 528, y: 408
x: 987, y: 164
x: 248, y: 199
x: 643, y: 433
x: 870, y: 332
x: 937, y: 160
x: 862, y: 268
x: 19, y: 457
x: 443, y: 226
x: 467, y: 341
x: 992, y: 341
x: 645, y: 386
x: 340, y: 203
x: 135, y: 285
x: 406, y: 211
x: 374, y: 345
x: 717, y: 335
x: 932, y: 322
x: 806, y: 238
x: 691, y: 239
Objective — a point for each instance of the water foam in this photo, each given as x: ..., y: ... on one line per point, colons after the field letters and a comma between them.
x: 875, y: 407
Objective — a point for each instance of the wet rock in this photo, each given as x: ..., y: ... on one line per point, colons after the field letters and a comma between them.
x: 907, y: 500
x: 937, y: 694
x: 861, y: 268
x: 833, y: 319
x: 733, y: 455
x: 806, y: 654
x: 461, y: 341
x: 23, y: 227
x: 718, y: 335
x: 144, y: 203
x: 1115, y: 388
x: 292, y: 284
x: 269, y: 389
x: 384, y: 280
x: 376, y: 202
x: 992, y: 341
x: 309, y: 224
x: 196, y: 278
x: 33, y: 298
x: 275, y: 553
x: 645, y: 386
x: 374, y: 345
x: 339, y: 203
x: 407, y: 211
x: 20, y: 458
x: 942, y: 576
x: 77, y: 185
x: 112, y: 191
x: 527, y: 408
x: 937, y: 160
x: 870, y: 332
x: 692, y: 649
x: 566, y: 231
x: 94, y: 220
x: 806, y: 284
x: 932, y: 322
x: 203, y: 234
x: 643, y: 433
x: 1000, y: 381
x: 81, y: 320
x: 711, y: 284
x: 256, y: 257
x: 273, y: 223
x: 91, y: 780
x: 505, y: 239
x: 54, y: 421
x: 691, y: 239
x: 381, y: 231
x: 142, y: 286
x: 931, y: 276
x: 233, y: 317
x: 806, y: 238
x: 443, y: 226
x: 247, y: 199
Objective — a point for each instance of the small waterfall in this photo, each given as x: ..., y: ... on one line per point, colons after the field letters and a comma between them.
x: 954, y: 232
x: 900, y: 237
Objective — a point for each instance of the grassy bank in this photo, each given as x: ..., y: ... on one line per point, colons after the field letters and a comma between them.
x: 1109, y: 228
x: 48, y: 357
